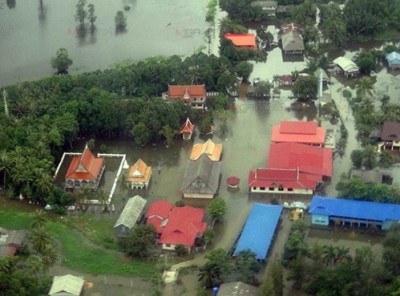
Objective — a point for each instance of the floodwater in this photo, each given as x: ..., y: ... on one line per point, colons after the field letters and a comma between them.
x: 31, y: 33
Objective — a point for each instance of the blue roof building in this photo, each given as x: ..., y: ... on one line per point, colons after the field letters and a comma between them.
x: 393, y: 60
x: 259, y: 229
x: 353, y: 212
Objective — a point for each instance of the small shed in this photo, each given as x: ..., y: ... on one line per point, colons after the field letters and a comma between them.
x: 393, y: 60
x: 347, y: 66
x: 67, y: 285
x: 130, y: 215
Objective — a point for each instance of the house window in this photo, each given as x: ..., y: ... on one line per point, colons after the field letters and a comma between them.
x: 290, y: 189
x: 262, y: 188
x: 168, y: 245
x: 271, y: 189
x: 254, y: 188
x: 280, y: 189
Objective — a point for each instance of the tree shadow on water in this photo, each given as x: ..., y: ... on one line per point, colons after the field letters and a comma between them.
x: 11, y: 4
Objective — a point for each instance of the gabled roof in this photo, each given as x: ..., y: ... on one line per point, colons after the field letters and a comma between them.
x: 286, y: 178
x: 85, y: 166
x: 242, y: 40
x: 355, y: 209
x: 187, y: 127
x: 237, y: 289
x: 292, y: 41
x: 66, y: 285
x: 201, y: 176
x: 157, y: 213
x: 308, y: 159
x: 391, y: 131
x: 139, y: 172
x: 209, y: 148
x: 131, y: 212
x: 307, y: 132
x: 393, y: 57
x: 186, y: 92
x: 286, y: 28
x: 259, y: 230
x: 346, y: 65
x: 183, y: 226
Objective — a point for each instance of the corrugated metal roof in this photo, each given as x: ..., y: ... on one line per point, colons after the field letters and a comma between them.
x: 69, y: 284
x: 354, y: 209
x: 346, y: 65
x: 131, y: 212
x: 259, y: 230
x: 393, y: 57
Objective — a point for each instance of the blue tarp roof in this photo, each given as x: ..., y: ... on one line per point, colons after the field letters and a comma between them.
x: 355, y: 209
x: 259, y: 230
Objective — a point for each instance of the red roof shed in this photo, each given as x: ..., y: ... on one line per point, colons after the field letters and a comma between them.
x: 242, y: 40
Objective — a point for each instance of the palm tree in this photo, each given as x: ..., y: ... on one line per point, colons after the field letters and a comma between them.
x: 40, y: 239
x: 365, y: 87
x: 49, y: 256
x: 39, y: 219
x: 317, y: 253
x: 209, y: 274
x: 4, y: 166
x: 343, y: 254
x: 329, y: 255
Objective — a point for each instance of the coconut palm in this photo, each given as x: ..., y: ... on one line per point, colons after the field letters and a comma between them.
x: 343, y: 254
x: 39, y: 219
x: 49, y: 256
x: 40, y: 239
x: 365, y: 87
x: 329, y: 255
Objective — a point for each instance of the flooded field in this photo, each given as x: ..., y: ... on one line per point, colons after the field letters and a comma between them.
x: 155, y: 27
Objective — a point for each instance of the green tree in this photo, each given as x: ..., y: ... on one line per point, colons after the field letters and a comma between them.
x: 391, y: 250
x: 217, y: 209
x: 222, y: 117
x: 244, y: 69
x: 81, y: 13
x: 267, y: 287
x: 306, y: 88
x: 139, y: 242
x: 357, y: 158
x: 209, y: 235
x: 333, y: 27
x: 61, y: 61
x: 205, y: 125
x: 246, y: 266
x: 120, y: 21
x: 385, y: 159
x: 180, y: 250
x: 92, y: 17
x: 39, y: 219
x: 169, y: 134
x: 370, y: 157
x: 215, y: 269
x: 276, y: 274
x: 141, y: 133
x: 263, y: 88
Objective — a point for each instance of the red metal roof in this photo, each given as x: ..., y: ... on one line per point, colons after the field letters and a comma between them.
x: 183, y: 226
x: 157, y: 213
x: 192, y: 91
x: 309, y: 159
x: 85, y: 166
x: 187, y: 127
x: 242, y: 40
x: 307, y: 132
x: 286, y: 178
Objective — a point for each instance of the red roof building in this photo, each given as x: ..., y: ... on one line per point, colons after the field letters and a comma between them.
x: 195, y: 95
x: 184, y: 226
x: 84, y: 170
x: 187, y: 130
x: 158, y: 213
x: 305, y: 132
x: 246, y: 41
x: 283, y: 180
x: 308, y: 159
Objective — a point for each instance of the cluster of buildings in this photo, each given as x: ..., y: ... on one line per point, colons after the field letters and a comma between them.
x: 297, y: 162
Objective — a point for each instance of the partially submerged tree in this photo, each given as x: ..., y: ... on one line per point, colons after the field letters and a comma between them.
x: 61, y: 61
x: 92, y: 16
x: 120, y: 21
x: 81, y: 12
x: 217, y: 209
x: 140, y: 241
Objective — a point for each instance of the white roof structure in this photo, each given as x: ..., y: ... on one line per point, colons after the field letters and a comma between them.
x: 66, y: 285
x: 346, y: 64
x: 131, y: 212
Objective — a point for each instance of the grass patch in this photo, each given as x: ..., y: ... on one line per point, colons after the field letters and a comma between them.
x: 77, y: 254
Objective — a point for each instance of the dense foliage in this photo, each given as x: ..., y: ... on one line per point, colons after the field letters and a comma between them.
x: 47, y: 116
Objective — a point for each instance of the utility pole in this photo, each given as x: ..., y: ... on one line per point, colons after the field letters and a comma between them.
x: 5, y: 102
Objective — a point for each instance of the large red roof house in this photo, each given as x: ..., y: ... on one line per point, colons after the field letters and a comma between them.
x: 84, y: 170
x: 292, y: 168
x: 244, y: 41
x: 158, y: 213
x: 305, y: 132
x: 195, y: 95
x: 177, y: 225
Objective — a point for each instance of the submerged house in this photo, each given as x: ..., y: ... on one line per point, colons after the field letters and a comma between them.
x: 292, y: 43
x: 130, y: 215
x: 326, y: 210
x: 393, y: 60
x: 242, y: 40
x: 139, y: 175
x: 192, y: 95
x: 187, y: 130
x: 201, y: 178
x: 84, y: 170
x: 347, y: 66
x: 304, y: 132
